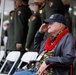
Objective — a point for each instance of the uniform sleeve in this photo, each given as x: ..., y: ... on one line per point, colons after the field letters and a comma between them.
x: 32, y: 31
x: 67, y: 56
x: 19, y: 25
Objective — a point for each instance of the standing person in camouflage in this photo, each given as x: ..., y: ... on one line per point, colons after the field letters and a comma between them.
x: 34, y: 25
x: 18, y: 28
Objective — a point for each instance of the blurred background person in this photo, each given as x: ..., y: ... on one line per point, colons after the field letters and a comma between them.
x: 7, y: 37
x: 67, y: 14
x: 34, y: 25
x: 52, y: 7
x: 5, y: 28
x: 68, y: 18
x: 10, y: 31
x: 11, y: 14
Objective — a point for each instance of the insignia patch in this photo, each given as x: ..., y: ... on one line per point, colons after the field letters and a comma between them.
x: 40, y: 11
x: 28, y: 20
x: 33, y: 18
x: 52, y: 16
x: 11, y: 18
x: 19, y: 12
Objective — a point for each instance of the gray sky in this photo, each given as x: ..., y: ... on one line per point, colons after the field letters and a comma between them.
x: 9, y: 5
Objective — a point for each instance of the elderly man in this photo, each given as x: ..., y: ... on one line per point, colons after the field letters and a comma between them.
x: 60, y: 44
x: 58, y: 48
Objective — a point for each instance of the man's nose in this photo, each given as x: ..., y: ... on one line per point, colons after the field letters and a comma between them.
x: 49, y: 25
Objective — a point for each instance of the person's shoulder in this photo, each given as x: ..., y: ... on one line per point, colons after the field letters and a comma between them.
x: 70, y: 37
x: 22, y: 7
x: 34, y: 16
x: 18, y: 9
x: 38, y: 15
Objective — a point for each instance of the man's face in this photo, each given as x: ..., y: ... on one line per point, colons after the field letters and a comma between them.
x: 35, y: 8
x: 50, y: 3
x: 18, y: 2
x: 53, y: 27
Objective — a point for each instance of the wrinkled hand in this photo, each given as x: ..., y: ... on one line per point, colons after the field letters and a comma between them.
x: 45, y: 51
x: 43, y: 28
x: 42, y: 67
x: 18, y: 46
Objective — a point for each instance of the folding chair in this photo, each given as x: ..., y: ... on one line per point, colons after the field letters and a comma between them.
x: 27, y: 57
x: 2, y: 53
x: 12, y: 57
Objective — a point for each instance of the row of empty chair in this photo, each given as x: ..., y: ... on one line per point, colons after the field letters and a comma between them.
x: 14, y: 56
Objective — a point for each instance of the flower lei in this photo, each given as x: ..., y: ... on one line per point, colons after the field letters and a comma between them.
x: 49, y: 46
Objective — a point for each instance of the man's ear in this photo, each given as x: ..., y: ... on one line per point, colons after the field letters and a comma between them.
x: 62, y: 26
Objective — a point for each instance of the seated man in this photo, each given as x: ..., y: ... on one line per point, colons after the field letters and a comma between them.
x: 58, y: 48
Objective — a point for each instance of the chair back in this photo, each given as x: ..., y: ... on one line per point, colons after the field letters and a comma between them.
x: 27, y: 57
x: 12, y: 57
x: 1, y: 55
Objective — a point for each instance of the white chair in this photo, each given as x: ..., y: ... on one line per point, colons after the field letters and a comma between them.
x: 12, y: 57
x: 2, y: 53
x: 27, y: 57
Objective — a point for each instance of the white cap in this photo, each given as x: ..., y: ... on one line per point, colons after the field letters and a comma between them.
x: 6, y: 22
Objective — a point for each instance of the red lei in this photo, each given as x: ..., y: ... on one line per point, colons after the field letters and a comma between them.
x: 49, y: 47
